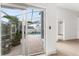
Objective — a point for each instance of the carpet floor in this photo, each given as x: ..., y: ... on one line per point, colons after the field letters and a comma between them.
x: 68, y: 48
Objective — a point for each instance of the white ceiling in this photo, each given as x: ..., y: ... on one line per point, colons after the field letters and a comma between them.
x: 72, y: 6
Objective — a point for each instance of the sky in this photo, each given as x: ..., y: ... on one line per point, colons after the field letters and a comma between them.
x: 15, y: 12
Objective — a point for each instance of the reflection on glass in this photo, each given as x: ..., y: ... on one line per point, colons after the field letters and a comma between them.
x: 11, y: 32
x: 34, y: 31
x: 34, y: 22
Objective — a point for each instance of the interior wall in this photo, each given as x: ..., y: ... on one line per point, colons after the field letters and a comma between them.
x: 50, y: 19
x: 71, y: 22
x: 78, y: 28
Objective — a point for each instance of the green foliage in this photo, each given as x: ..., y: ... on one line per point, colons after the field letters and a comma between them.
x: 14, y: 20
x: 30, y: 22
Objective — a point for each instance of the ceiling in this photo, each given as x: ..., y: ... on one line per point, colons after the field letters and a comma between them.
x: 71, y: 6
x: 21, y: 6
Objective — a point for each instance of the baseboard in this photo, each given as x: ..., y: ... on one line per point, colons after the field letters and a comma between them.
x: 71, y: 39
x: 67, y: 39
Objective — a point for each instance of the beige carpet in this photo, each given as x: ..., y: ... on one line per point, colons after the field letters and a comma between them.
x: 68, y: 48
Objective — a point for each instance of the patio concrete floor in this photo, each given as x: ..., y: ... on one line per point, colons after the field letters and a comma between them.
x: 35, y: 44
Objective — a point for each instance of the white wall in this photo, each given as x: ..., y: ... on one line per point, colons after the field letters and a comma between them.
x: 51, y: 35
x: 78, y: 28
x: 71, y: 22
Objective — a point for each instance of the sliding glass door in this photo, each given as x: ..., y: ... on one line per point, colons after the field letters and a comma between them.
x: 11, y: 31
x: 35, y: 31
x: 21, y: 30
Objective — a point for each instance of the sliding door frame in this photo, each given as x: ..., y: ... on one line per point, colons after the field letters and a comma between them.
x: 44, y: 25
x: 0, y: 30
x: 24, y: 22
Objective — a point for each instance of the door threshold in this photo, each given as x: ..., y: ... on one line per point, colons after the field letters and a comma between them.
x: 37, y: 54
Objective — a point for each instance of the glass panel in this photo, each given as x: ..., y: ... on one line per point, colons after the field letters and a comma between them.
x: 11, y: 32
x: 11, y: 25
x: 29, y: 16
x: 34, y: 29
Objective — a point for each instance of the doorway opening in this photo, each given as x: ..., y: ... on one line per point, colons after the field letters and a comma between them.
x: 35, y: 31
x: 22, y: 30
